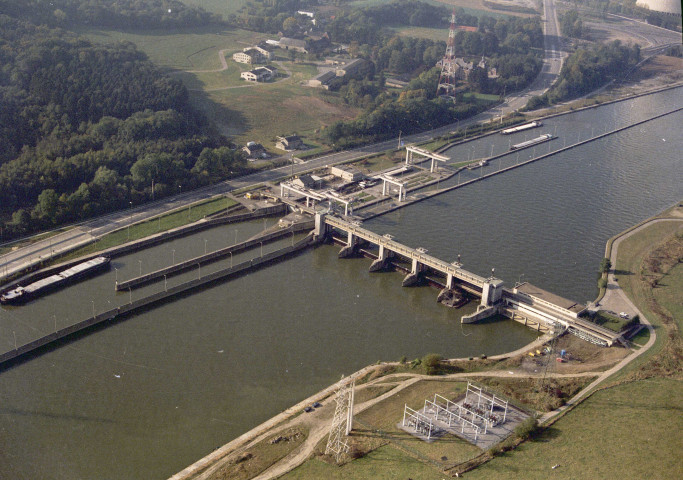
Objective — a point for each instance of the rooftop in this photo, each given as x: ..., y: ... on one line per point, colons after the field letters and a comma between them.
x: 541, y: 294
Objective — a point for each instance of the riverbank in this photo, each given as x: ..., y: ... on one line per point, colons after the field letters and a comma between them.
x: 208, y: 467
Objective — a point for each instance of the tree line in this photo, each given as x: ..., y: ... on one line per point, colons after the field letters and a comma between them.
x: 86, y: 129
x: 123, y: 14
x: 587, y: 69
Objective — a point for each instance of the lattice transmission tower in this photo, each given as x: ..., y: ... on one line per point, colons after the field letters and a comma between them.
x: 342, y: 423
x: 446, y: 86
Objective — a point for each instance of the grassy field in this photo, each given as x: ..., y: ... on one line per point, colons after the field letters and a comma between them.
x: 181, y: 49
x: 262, y: 455
x: 471, y: 7
x: 628, y: 431
x: 249, y: 112
x: 631, y: 253
x: 384, y: 463
x: 262, y: 112
x: 388, y: 452
x: 160, y: 224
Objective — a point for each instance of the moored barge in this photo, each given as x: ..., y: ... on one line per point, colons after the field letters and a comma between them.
x: 24, y: 294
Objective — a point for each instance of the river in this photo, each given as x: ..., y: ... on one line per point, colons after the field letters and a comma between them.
x: 147, y: 396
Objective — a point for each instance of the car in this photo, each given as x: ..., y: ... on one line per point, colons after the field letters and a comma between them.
x: 623, y: 314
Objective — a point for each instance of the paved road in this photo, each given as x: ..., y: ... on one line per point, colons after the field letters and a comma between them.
x: 87, y: 231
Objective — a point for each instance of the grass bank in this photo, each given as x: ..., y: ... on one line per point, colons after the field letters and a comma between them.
x: 159, y: 224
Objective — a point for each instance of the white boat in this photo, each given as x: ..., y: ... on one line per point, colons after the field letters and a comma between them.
x: 521, y: 128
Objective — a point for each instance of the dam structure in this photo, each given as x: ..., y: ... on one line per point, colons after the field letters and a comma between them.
x: 525, y: 303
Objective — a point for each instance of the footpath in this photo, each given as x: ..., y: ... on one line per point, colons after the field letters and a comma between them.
x: 317, y: 423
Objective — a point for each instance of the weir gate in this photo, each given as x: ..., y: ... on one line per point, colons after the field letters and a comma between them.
x: 525, y: 302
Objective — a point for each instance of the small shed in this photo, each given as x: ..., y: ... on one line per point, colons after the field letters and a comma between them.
x: 346, y: 172
x: 290, y: 142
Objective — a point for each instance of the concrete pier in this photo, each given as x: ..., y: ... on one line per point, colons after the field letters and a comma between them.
x: 133, y: 306
x: 210, y: 257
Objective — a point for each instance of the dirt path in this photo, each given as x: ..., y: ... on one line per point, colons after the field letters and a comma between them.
x: 618, y: 301
x: 224, y: 64
x: 615, y: 297
x: 321, y: 427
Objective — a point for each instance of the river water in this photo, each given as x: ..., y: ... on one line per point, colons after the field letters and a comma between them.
x: 147, y: 396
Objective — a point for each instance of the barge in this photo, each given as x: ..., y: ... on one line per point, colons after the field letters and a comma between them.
x: 521, y: 128
x: 24, y: 294
x: 479, y: 164
x: 534, y: 141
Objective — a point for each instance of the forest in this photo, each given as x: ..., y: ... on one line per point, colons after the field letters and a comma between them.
x: 125, y: 14
x: 86, y: 129
x: 512, y: 45
x: 587, y: 69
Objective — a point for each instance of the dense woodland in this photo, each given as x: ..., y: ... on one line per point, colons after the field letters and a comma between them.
x: 123, y: 14
x: 85, y: 129
x: 589, y: 68
x: 571, y: 24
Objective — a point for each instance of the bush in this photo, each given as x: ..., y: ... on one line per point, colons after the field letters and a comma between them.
x: 527, y: 428
x: 602, y: 283
x: 431, y: 363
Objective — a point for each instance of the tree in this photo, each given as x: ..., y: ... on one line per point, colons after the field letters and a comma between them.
x: 46, y: 208
x: 605, y: 265
x: 431, y: 363
x: 290, y: 25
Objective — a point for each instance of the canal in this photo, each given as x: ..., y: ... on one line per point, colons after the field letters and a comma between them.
x: 148, y: 396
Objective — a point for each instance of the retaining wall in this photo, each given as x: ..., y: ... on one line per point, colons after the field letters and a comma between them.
x: 133, y: 306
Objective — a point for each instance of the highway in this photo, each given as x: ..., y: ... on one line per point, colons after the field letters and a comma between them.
x: 85, y: 232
